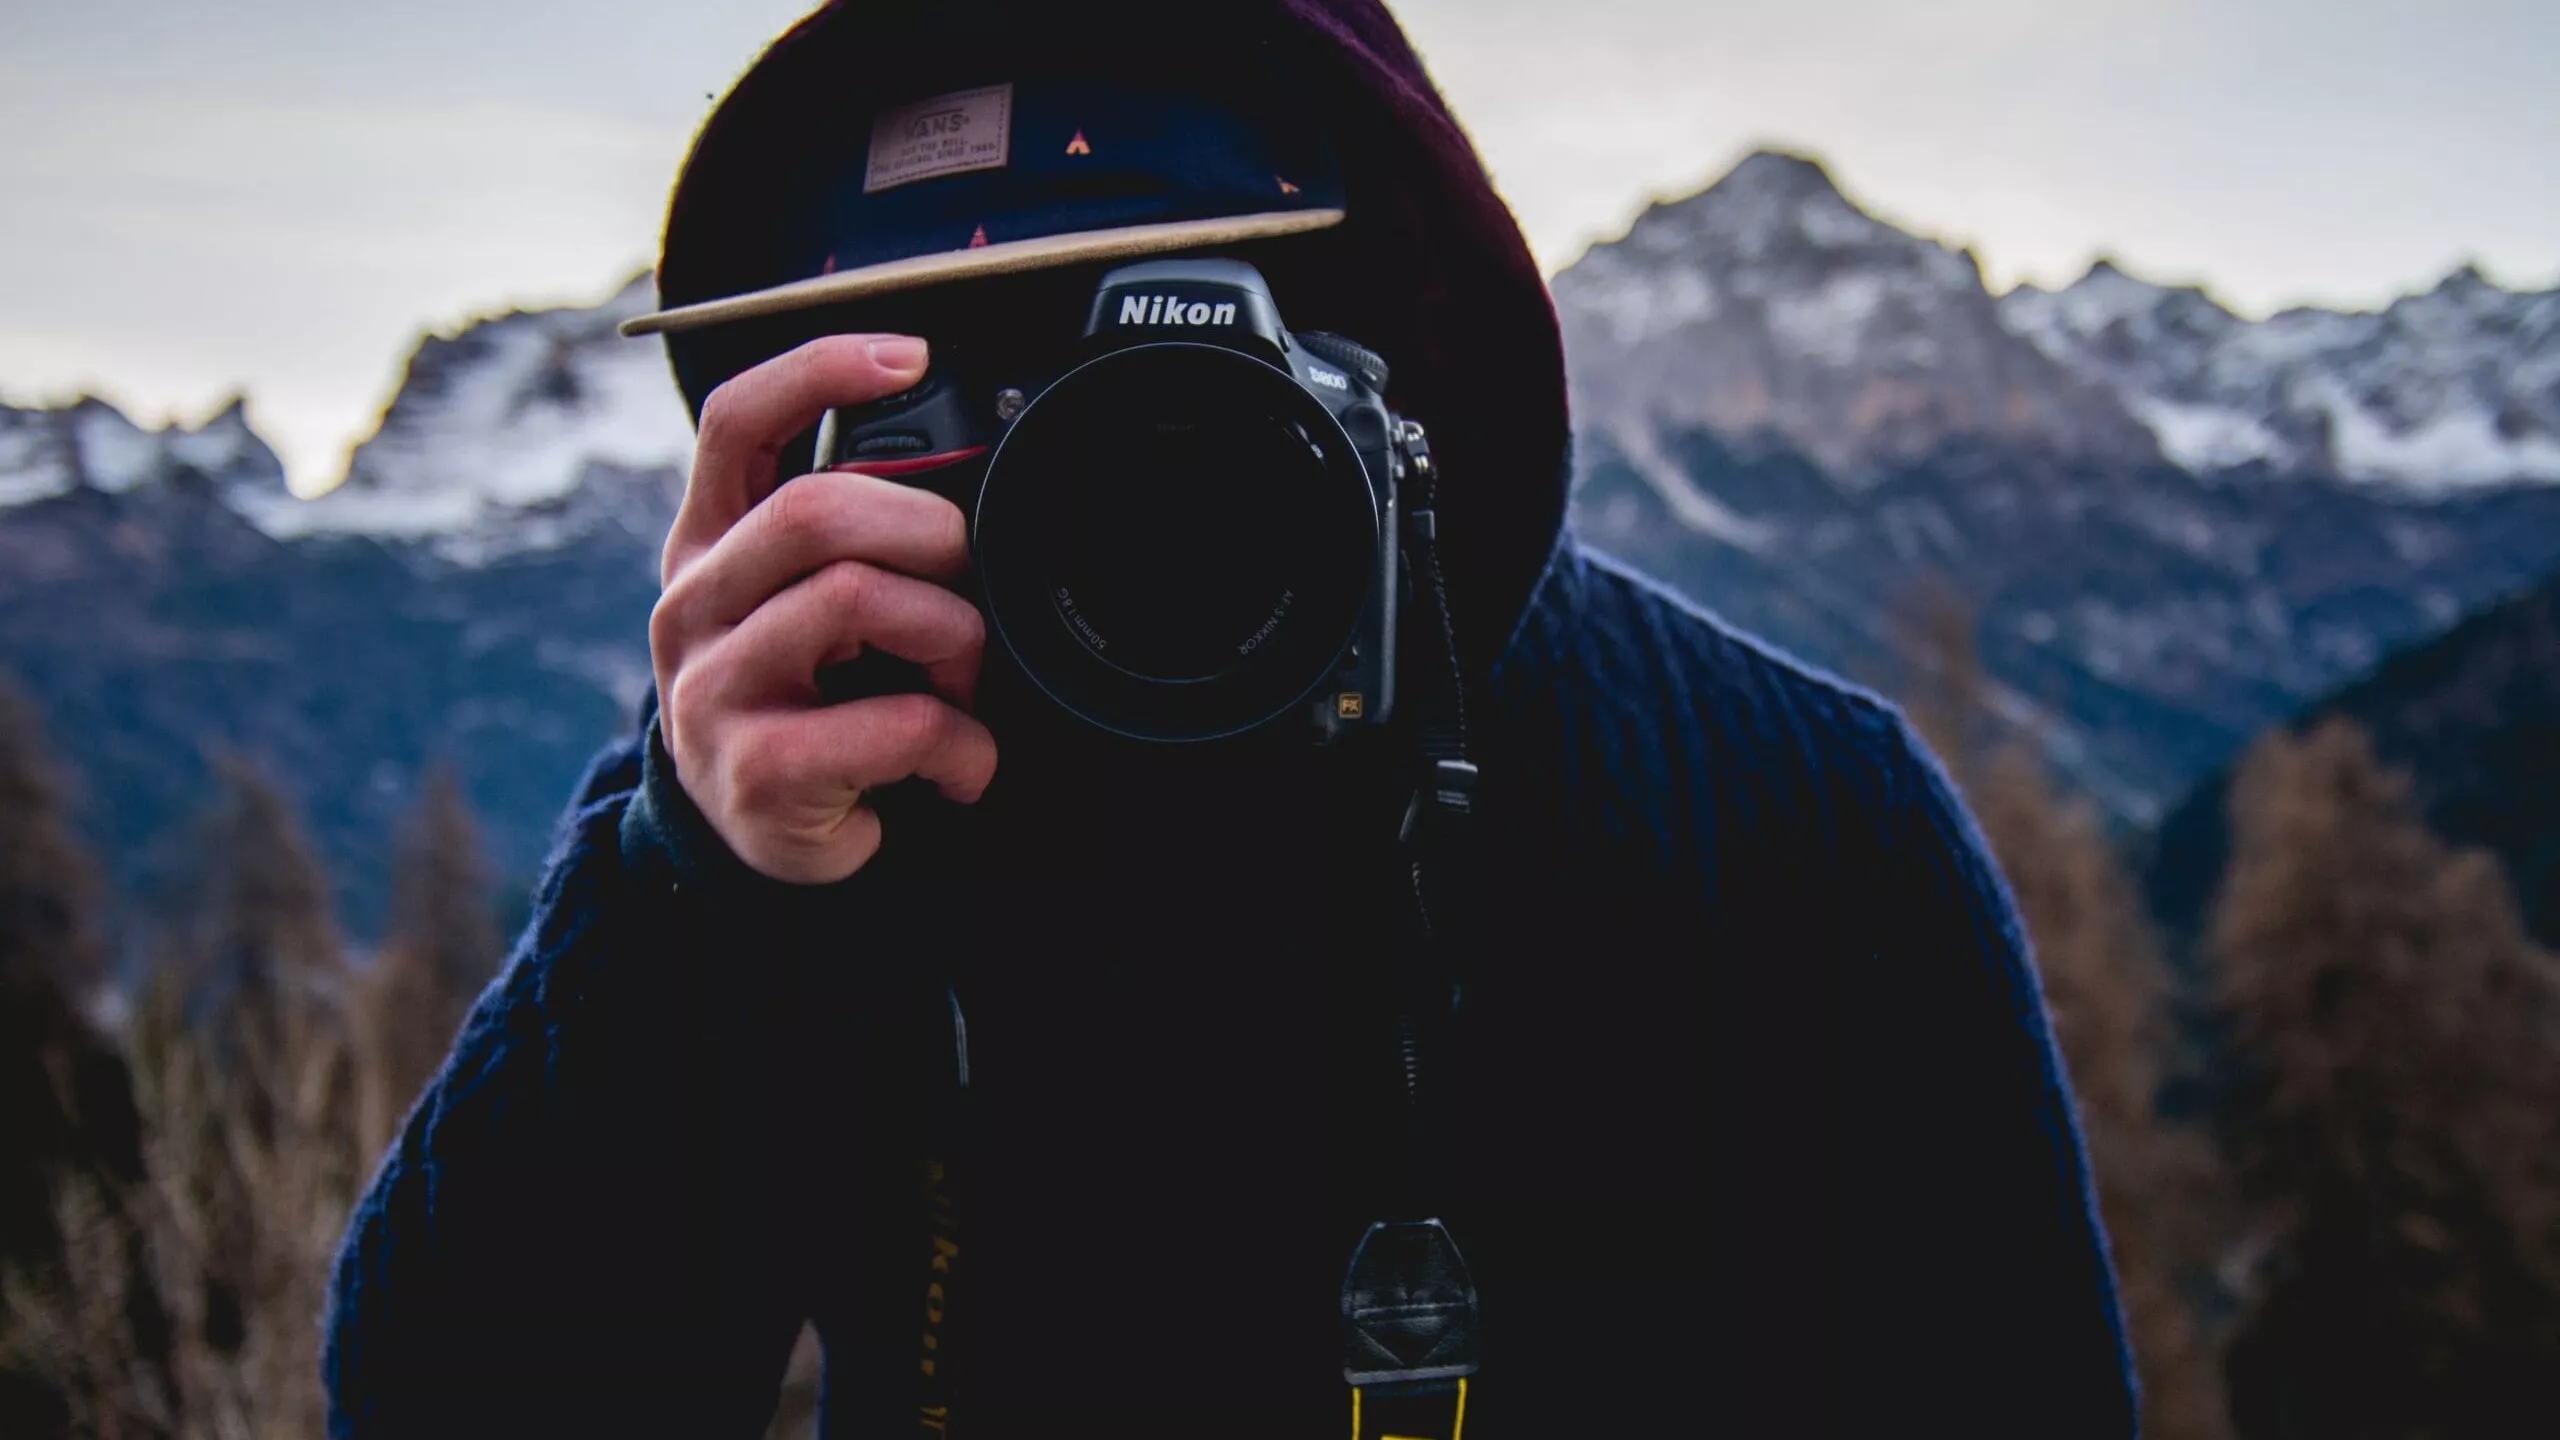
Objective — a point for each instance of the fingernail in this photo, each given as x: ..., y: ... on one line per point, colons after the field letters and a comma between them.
x: 898, y: 352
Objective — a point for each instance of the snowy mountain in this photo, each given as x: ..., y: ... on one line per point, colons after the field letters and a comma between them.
x: 91, y: 445
x: 2142, y: 621
x: 1770, y: 310
x: 476, y: 594
x: 514, y: 433
x: 519, y: 432
x: 2456, y: 387
x: 2177, y: 524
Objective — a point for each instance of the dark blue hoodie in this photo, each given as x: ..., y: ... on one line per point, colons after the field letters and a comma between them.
x: 1761, y: 1129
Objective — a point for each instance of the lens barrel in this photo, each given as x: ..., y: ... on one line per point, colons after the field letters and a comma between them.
x: 1176, y: 541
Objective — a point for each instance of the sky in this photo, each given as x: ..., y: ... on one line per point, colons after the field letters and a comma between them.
x: 275, y: 197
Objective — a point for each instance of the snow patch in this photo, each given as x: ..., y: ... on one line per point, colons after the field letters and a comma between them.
x: 91, y: 444
x: 115, y: 454
x: 1637, y: 307
x: 223, y: 443
x: 2206, y: 437
x: 1689, y: 505
x: 2453, y: 389
x: 1830, y: 323
x: 2291, y: 338
x: 33, y: 464
x: 2450, y: 450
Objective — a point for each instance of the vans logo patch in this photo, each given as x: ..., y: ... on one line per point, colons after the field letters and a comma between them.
x: 946, y: 135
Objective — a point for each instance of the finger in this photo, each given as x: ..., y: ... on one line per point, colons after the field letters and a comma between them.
x: 834, y: 615
x: 748, y: 419
x: 846, y: 844
x: 794, y: 762
x: 809, y: 523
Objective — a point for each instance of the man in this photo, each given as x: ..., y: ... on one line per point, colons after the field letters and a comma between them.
x: 1759, y: 1128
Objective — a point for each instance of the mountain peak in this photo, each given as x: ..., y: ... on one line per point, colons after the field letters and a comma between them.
x: 88, y: 443
x: 2435, y: 392
x: 1777, y: 174
x: 1771, y: 305
x: 2469, y: 289
x: 2468, y: 276
x: 1776, y: 209
x: 2105, y: 293
x: 501, y: 430
x: 516, y: 431
x: 1766, y: 193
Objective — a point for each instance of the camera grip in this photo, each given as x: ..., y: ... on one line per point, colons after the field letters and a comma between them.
x: 914, y: 439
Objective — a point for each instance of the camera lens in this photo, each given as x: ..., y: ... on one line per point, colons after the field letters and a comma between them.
x: 1176, y: 540
x: 1176, y: 565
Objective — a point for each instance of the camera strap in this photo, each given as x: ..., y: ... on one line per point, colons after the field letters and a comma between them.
x: 1408, y: 1304
x: 947, y: 1131
x: 1410, y: 1329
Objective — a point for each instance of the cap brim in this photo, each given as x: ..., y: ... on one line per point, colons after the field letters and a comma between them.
x: 1006, y: 258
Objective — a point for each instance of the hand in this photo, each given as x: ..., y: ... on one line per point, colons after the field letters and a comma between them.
x: 764, y: 586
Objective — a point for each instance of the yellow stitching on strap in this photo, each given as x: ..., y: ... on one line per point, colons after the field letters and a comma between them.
x: 1457, y: 1425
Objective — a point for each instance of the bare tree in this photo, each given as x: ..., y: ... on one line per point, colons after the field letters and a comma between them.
x: 442, y: 947
x: 2401, y: 1042
x: 2107, y: 987
x: 259, y: 937
x: 65, y: 1104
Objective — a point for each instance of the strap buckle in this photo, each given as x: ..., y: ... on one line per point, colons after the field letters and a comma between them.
x: 1409, y: 1332
x: 1449, y: 793
x: 1453, y: 786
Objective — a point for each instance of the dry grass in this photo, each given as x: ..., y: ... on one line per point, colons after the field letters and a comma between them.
x: 251, y: 1161
x: 186, y: 1300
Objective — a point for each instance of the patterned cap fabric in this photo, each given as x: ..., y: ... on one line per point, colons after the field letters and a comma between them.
x: 1030, y: 172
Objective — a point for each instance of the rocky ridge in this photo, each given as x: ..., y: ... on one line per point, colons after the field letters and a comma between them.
x: 2178, y: 524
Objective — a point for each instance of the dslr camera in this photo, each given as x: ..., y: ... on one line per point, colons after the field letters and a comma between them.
x: 1190, y: 532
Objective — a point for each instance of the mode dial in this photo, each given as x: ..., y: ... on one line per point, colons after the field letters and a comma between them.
x: 1358, y: 359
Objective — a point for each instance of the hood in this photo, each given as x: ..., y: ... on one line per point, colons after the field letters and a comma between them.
x: 1429, y: 269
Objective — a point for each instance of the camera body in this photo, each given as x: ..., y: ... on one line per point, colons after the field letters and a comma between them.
x: 1189, y: 531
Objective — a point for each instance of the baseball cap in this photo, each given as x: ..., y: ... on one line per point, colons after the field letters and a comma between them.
x: 1029, y: 171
